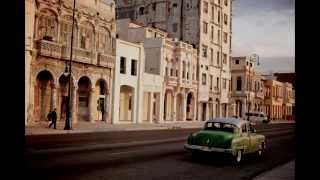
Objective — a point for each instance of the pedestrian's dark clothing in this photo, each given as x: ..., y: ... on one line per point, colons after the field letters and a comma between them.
x: 53, y: 119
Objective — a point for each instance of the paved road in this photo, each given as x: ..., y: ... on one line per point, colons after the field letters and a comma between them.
x: 155, y: 161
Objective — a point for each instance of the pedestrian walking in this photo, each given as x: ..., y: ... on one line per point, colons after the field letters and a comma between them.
x: 53, y: 119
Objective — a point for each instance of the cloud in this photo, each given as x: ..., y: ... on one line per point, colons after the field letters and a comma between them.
x: 276, y: 64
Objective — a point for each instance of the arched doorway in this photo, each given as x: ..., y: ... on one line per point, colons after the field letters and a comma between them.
x: 179, y: 107
x: 44, y: 95
x: 101, y: 100
x: 190, y: 106
x: 126, y: 112
x: 84, y: 88
x: 168, y: 104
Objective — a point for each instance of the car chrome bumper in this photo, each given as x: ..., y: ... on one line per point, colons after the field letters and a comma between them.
x: 206, y: 149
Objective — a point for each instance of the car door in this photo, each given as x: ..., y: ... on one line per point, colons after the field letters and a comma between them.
x: 245, y: 138
x: 253, y: 140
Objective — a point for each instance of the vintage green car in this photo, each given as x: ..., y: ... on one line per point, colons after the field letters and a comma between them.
x: 227, y: 135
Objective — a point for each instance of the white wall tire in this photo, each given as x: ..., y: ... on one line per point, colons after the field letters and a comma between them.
x: 238, y: 157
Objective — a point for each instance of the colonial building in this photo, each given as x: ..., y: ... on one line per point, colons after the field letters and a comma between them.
x: 174, y: 65
x: 247, y: 86
x: 48, y: 41
x: 279, y: 100
x: 207, y: 26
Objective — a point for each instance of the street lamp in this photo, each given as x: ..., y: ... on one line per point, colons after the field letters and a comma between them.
x: 256, y: 57
x: 68, y: 73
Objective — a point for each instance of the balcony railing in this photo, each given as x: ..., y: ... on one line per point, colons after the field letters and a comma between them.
x: 48, y: 48
x: 106, y: 60
x: 59, y: 51
x: 171, y: 80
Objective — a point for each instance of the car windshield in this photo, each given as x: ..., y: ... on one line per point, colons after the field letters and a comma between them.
x: 217, y: 126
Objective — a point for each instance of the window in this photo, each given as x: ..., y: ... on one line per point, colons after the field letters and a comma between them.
x: 175, y: 27
x: 204, y: 50
x: 171, y: 72
x: 218, y: 58
x: 154, y: 6
x: 224, y: 84
x: 217, y: 85
x: 166, y: 71
x: 177, y: 72
x: 224, y: 58
x: 239, y: 83
x: 133, y: 67
x: 130, y: 102
x: 174, y: 5
x: 211, y: 56
x: 237, y: 61
x: 212, y: 13
x: 212, y: 33
x: 218, y: 36
x: 225, y: 37
x: 122, y: 65
x: 250, y: 64
x: 211, y: 82
x: 226, y: 2
x: 207, y: 67
x: 205, y: 7
x: 205, y: 27
x: 48, y: 28
x: 204, y: 79
x: 141, y: 10
x: 247, y: 63
x: 230, y: 85
x: 225, y: 18
x: 218, y: 17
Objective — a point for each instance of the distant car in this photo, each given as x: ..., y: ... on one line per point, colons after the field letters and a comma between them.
x: 227, y: 135
x: 257, y: 117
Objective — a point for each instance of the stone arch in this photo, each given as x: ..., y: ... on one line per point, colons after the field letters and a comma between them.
x: 44, y: 95
x: 190, y: 106
x: 84, y: 98
x: 168, y: 104
x: 126, y: 104
x: 47, y: 24
x: 100, y: 99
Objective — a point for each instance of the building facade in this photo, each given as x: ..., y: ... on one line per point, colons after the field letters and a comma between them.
x: 247, y: 86
x: 207, y: 26
x: 279, y: 100
x: 48, y: 41
x: 127, y: 94
x: 175, y: 64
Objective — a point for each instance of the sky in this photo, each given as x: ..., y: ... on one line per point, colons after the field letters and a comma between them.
x: 265, y: 27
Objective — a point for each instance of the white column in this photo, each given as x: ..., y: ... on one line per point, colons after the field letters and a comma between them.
x: 53, y: 97
x: 150, y: 104
x: 174, y: 107
x: 91, y: 105
x: 184, y: 107
x: 74, y: 109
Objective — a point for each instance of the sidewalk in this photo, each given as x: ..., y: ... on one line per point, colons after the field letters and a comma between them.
x: 283, y: 172
x: 83, y: 127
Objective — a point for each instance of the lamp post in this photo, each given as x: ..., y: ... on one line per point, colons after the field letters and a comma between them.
x: 255, y: 56
x: 68, y: 113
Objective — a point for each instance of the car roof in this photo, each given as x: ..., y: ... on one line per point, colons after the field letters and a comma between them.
x: 234, y: 121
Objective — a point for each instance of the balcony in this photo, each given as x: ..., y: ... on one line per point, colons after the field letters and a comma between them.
x: 171, y: 80
x: 106, y: 60
x: 79, y: 55
x: 49, y: 48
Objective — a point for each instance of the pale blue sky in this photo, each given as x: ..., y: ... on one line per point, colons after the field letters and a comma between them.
x: 265, y: 27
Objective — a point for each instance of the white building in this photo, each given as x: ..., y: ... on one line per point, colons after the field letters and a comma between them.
x: 174, y: 64
x: 127, y: 95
